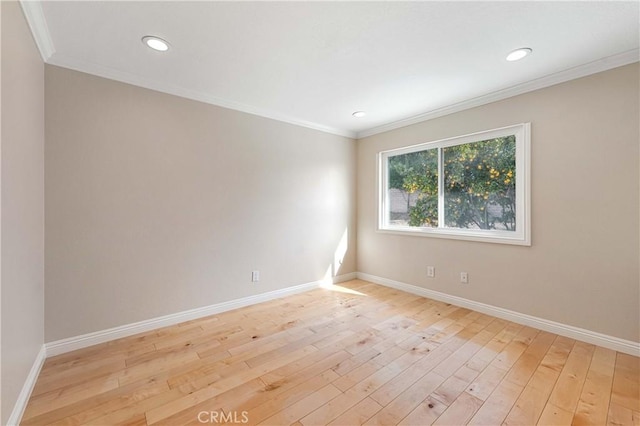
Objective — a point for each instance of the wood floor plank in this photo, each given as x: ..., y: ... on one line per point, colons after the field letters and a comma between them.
x: 68, y: 395
x: 487, y: 354
x: 501, y: 399
x: 356, y: 361
x: 497, y: 406
x: 528, y: 362
x: 621, y: 416
x: 593, y: 405
x: 291, y: 376
x: 76, y: 375
x: 429, y: 361
x: 408, y: 377
x: 213, y: 406
x: 200, y: 381
x: 357, y: 375
x: 82, y: 412
x: 358, y: 414
x: 163, y: 362
x: 303, y: 369
x: 407, y: 401
x: 350, y: 354
x: 530, y: 405
x: 303, y: 407
x: 351, y: 397
x: 460, y: 411
x: 424, y: 414
x: 486, y: 382
x: 554, y: 415
x: 288, y: 396
x: 168, y: 409
x: 80, y: 362
x: 136, y: 408
x: 626, y: 382
x: 566, y: 393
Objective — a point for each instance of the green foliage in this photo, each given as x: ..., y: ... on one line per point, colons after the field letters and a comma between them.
x: 425, y: 212
x: 477, y: 176
x: 479, y: 184
x: 417, y: 172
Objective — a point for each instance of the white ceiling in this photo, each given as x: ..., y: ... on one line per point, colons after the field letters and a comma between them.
x: 314, y: 63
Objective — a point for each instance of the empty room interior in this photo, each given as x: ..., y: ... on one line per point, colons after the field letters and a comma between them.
x: 313, y: 213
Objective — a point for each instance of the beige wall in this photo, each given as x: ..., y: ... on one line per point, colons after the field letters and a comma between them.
x: 582, y: 267
x: 157, y: 204
x: 22, y: 137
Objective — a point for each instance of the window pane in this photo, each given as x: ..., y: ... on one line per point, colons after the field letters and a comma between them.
x: 413, y: 189
x: 480, y: 185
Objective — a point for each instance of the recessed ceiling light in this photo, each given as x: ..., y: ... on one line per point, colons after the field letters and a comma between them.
x: 156, y: 43
x: 518, y: 54
x: 359, y: 114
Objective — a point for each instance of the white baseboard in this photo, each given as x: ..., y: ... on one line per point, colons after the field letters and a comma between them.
x: 615, y: 343
x: 345, y: 277
x: 78, y: 342
x: 90, y: 339
x: 27, y: 388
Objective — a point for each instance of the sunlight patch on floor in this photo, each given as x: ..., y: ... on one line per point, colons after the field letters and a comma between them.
x: 340, y: 289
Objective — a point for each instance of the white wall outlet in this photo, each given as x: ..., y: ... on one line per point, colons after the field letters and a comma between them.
x: 431, y: 271
x: 255, y: 276
x: 464, y: 277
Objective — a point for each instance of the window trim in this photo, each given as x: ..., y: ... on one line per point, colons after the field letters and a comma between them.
x: 522, y: 235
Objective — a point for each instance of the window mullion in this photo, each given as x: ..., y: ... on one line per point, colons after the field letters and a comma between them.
x: 440, y: 188
x: 383, y: 164
x: 487, y: 188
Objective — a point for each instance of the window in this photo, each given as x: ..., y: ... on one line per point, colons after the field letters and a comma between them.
x: 473, y: 187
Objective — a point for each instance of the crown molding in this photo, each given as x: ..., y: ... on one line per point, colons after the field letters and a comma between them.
x: 594, y: 67
x: 136, y: 80
x: 38, y: 24
x: 34, y: 15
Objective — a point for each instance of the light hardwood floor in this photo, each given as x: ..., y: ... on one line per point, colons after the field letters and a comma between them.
x: 356, y: 354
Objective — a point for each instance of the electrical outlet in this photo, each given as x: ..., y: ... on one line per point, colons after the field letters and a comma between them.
x: 255, y: 276
x: 431, y: 271
x: 464, y: 277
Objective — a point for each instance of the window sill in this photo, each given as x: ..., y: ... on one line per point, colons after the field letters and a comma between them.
x: 495, y: 237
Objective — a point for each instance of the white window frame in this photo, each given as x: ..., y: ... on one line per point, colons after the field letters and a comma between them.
x: 522, y: 234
